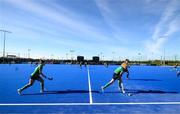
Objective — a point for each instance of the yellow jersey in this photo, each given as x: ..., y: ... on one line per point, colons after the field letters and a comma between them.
x: 124, y: 65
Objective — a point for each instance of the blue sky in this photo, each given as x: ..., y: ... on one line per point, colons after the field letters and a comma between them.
x: 119, y: 28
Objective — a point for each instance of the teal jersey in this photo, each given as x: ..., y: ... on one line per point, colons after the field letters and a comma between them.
x: 37, y: 70
x: 118, y: 70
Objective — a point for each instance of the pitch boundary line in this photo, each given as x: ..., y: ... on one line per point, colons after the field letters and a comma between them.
x: 83, y: 104
x: 89, y: 83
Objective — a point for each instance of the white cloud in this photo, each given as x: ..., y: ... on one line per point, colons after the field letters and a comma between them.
x: 110, y: 15
x: 70, y: 22
x: 64, y: 20
x: 167, y: 26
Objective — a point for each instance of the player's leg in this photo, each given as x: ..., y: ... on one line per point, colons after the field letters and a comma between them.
x: 108, y: 84
x: 127, y: 76
x: 178, y: 73
x: 121, y: 86
x: 115, y: 76
x: 31, y: 82
x: 41, y: 83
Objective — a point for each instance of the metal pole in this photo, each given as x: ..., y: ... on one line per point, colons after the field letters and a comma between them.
x: 101, y: 56
x: 4, y: 45
x: 72, y: 51
x: 139, y: 57
x: 29, y: 53
x: 164, y: 58
x: 113, y: 56
x: 175, y: 58
x: 66, y: 56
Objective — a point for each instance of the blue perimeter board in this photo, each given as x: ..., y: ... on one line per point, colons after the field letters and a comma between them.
x: 70, y: 85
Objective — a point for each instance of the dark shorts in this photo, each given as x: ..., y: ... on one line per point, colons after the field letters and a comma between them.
x: 125, y: 70
x: 35, y: 77
x: 116, y: 76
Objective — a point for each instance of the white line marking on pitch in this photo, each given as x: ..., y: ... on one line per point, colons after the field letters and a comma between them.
x: 83, y: 104
x: 89, y: 83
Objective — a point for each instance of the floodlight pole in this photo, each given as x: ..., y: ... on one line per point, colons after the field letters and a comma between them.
x: 101, y: 56
x: 72, y: 51
x: 66, y: 56
x: 175, y: 58
x: 29, y: 53
x: 164, y: 57
x: 139, y: 57
x: 113, y: 55
x: 4, y: 45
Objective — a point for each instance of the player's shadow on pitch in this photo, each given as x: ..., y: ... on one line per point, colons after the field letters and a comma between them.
x: 150, y: 92
x: 134, y: 91
x: 63, y: 92
x: 137, y: 79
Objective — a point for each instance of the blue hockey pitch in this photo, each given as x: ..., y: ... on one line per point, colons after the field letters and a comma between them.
x: 154, y: 89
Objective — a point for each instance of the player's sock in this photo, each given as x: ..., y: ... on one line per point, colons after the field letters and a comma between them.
x: 26, y: 86
x: 19, y: 91
x: 108, y: 84
x: 42, y: 87
x: 122, y: 88
x: 102, y: 89
x: 41, y: 91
